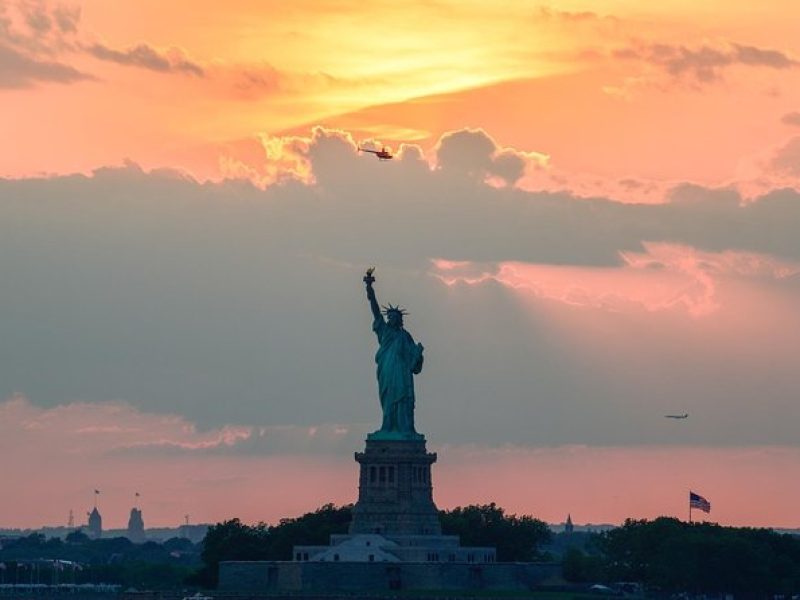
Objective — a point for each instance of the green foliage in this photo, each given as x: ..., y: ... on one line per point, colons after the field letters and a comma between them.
x: 581, y: 567
x: 76, y: 537
x: 177, y: 544
x: 112, y: 560
x: 233, y: 540
x: 517, y: 539
x: 230, y: 540
x: 311, y: 529
x: 670, y: 555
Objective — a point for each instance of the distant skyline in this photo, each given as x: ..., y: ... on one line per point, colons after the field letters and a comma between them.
x: 592, y: 216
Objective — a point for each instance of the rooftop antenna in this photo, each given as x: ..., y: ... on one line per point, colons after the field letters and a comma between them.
x: 71, y: 520
x: 186, y: 520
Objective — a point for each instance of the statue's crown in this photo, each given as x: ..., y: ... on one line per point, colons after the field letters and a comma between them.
x: 387, y: 310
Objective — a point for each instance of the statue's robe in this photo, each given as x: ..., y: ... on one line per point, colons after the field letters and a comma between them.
x: 398, y: 359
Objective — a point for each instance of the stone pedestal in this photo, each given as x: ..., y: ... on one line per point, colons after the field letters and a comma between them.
x: 395, y: 495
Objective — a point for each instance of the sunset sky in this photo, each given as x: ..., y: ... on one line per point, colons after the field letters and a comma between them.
x: 592, y: 216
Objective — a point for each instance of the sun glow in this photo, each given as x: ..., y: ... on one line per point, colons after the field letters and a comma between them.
x: 337, y: 60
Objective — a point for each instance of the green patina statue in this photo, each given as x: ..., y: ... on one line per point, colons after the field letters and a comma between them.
x: 398, y: 358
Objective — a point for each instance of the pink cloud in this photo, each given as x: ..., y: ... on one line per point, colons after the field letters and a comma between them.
x: 327, y: 155
x: 75, y: 448
x: 662, y: 277
x: 88, y: 428
x: 474, y: 154
x: 464, y: 153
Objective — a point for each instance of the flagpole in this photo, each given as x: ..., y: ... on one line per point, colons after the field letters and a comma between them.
x: 690, y: 507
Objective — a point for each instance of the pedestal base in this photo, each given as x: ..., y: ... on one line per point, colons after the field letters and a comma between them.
x: 395, y: 495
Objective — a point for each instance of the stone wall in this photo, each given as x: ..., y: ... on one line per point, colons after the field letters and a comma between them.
x: 263, y: 576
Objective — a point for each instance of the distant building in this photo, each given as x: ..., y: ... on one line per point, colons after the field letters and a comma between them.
x: 136, y: 526
x: 568, y: 526
x: 193, y: 533
x: 95, y: 527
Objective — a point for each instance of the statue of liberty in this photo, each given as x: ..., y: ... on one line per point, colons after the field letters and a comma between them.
x: 398, y: 358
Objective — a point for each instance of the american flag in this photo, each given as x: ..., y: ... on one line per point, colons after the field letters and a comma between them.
x: 697, y: 501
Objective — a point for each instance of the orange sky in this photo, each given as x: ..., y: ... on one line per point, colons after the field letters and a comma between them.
x: 677, y: 91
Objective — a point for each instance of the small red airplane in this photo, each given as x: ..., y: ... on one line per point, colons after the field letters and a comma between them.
x: 382, y: 154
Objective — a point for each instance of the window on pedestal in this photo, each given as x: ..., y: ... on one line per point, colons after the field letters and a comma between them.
x: 381, y: 474
x: 391, y: 474
x: 373, y: 475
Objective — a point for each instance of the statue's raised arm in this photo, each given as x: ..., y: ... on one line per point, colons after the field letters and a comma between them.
x: 373, y: 301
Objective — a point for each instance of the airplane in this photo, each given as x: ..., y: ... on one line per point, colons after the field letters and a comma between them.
x: 382, y: 154
x: 683, y: 416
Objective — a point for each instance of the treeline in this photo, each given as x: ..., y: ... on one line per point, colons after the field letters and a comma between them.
x: 665, y: 555
x: 516, y: 538
x: 668, y: 555
x: 234, y: 540
x: 79, y: 560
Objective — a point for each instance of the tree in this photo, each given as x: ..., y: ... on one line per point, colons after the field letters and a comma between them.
x: 517, y: 539
x: 231, y: 540
x: 177, y: 544
x: 314, y: 528
x: 579, y: 566
x: 76, y: 537
x: 115, y: 560
x: 673, y: 556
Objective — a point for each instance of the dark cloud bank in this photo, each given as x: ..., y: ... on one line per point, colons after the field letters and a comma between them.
x: 706, y: 63
x: 34, y: 50
x: 147, y: 57
x: 17, y: 70
x: 230, y: 304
